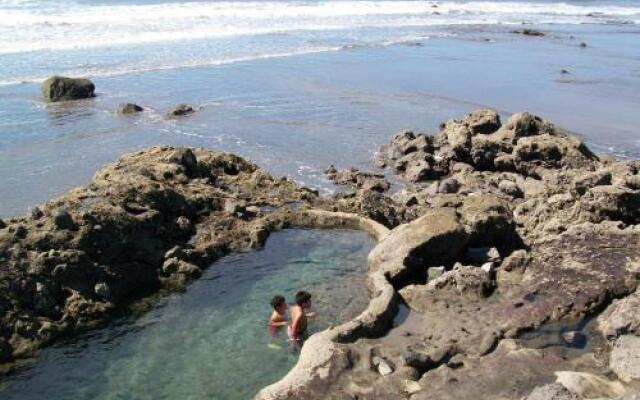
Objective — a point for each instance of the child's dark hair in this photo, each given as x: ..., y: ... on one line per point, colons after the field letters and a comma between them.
x: 303, y: 297
x: 277, y: 301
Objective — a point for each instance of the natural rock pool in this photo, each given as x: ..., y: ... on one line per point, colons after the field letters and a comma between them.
x: 209, y: 342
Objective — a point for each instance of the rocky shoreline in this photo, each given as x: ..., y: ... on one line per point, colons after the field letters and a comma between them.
x: 494, y: 231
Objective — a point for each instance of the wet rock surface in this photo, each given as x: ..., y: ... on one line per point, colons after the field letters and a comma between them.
x: 150, y: 221
x: 128, y: 108
x: 514, y: 248
x: 498, y: 234
x: 181, y: 110
x: 59, y: 88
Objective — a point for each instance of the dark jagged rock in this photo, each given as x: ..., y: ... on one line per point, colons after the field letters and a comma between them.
x: 181, y: 110
x: 58, y: 88
x: 529, y: 32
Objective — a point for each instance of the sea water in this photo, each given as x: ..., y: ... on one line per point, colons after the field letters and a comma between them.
x: 298, y: 85
x: 211, y: 341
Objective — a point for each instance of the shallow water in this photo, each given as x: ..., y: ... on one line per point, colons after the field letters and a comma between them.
x: 209, y: 342
x: 297, y: 100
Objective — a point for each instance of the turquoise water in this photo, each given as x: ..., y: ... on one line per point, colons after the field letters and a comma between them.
x: 209, y: 342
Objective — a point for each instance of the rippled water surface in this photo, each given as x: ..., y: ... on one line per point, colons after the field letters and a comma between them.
x: 297, y: 85
x: 211, y: 341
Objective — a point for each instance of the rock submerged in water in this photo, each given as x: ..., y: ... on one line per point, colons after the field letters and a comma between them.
x: 528, y: 32
x: 129, y: 108
x: 58, y: 88
x: 181, y: 110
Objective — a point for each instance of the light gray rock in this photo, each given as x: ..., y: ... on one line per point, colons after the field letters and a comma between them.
x: 436, y: 238
x: 488, y: 267
x: 382, y: 366
x: 589, y: 385
x: 629, y: 396
x: 435, y: 272
x: 621, y: 317
x: 553, y: 391
x: 572, y: 338
x: 510, y: 188
x: 625, y: 358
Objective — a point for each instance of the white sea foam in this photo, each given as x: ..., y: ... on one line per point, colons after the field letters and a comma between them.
x: 103, y: 72
x: 26, y: 25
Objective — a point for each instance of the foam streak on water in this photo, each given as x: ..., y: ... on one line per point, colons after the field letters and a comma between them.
x: 66, y: 25
x: 51, y: 29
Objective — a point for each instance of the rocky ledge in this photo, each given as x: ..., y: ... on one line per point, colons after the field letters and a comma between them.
x: 513, y: 250
x: 150, y: 221
x: 516, y: 253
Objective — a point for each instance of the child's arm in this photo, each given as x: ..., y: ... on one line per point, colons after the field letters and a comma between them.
x: 278, y: 323
x: 311, y: 314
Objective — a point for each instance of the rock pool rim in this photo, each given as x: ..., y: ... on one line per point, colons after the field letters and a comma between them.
x: 321, y: 356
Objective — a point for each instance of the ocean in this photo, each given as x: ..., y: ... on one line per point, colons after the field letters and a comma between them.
x: 298, y: 85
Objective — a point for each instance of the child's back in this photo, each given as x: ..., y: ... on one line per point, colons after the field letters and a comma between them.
x: 298, y: 329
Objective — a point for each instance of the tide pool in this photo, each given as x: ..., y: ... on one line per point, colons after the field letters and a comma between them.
x: 211, y: 341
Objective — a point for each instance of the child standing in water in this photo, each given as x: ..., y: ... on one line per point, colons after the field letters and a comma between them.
x: 278, y: 317
x: 297, y: 331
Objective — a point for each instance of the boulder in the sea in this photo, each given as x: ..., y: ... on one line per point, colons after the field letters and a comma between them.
x: 528, y: 32
x: 58, y: 88
x: 129, y: 108
x: 181, y: 110
x: 2, y: 224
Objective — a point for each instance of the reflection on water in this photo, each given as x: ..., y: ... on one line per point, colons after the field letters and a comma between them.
x: 210, y: 342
